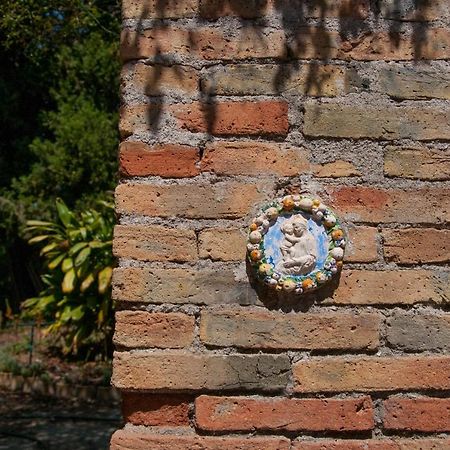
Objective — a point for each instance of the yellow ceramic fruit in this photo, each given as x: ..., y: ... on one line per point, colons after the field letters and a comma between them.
x: 264, y: 268
x: 316, y: 203
x: 288, y: 285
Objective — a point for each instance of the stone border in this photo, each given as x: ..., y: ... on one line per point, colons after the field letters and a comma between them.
x: 288, y: 206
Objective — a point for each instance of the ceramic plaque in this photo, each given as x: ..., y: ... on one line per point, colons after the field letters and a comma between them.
x: 296, y: 244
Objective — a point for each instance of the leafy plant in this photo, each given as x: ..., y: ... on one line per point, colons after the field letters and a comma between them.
x: 76, y: 299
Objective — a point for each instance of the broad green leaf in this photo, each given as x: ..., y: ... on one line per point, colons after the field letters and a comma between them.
x: 99, y: 244
x: 37, y: 239
x: 48, y: 248
x: 78, y: 313
x: 77, y: 247
x: 82, y: 256
x: 69, y: 281
x: 67, y: 264
x: 64, y: 214
x: 38, y: 223
x: 104, y: 279
x: 87, y: 282
x: 56, y: 262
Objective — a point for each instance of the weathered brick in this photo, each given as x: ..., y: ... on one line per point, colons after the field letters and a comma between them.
x: 415, y: 82
x: 357, y: 9
x: 144, y: 440
x: 416, y: 245
x: 221, y: 244
x: 213, y: 9
x: 376, y: 122
x: 162, y: 330
x: 203, y: 286
x: 414, y: 10
x: 379, y: 205
x: 388, y: 287
x: 158, y: 80
x: 434, y: 43
x: 283, y: 414
x: 156, y: 410
x: 184, y: 371
x: 202, y: 42
x: 417, y: 414
x: 155, y: 243
x: 260, y: 118
x: 418, y: 331
x: 365, y: 374
x: 419, y: 163
x: 262, y: 329
x: 158, y: 9
x: 138, y: 118
x: 166, y: 160
x: 254, y: 158
x: 372, y: 444
x: 210, y: 201
x: 336, y: 169
x: 363, y: 245
x: 273, y: 79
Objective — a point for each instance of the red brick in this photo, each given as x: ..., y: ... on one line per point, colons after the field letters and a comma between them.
x: 213, y: 9
x: 155, y: 243
x: 377, y: 205
x: 414, y: 10
x: 156, y: 410
x: 372, y: 444
x: 417, y: 245
x: 202, y: 42
x: 161, y: 330
x: 283, y: 414
x: 260, y: 118
x: 209, y: 201
x: 166, y: 160
x: 388, y: 287
x: 254, y: 158
x: 260, y: 329
x: 138, y: 439
x: 372, y: 374
x: 187, y: 371
x: 158, y: 9
x: 417, y: 414
x: 363, y: 245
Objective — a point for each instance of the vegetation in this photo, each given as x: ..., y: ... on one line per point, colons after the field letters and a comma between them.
x: 76, y: 298
x: 59, y: 85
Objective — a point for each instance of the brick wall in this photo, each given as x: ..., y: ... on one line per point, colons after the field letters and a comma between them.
x: 228, y: 104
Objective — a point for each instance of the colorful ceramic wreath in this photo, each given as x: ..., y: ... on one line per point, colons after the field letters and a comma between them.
x: 320, y: 220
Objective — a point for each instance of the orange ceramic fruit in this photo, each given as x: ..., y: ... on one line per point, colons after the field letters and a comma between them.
x: 255, y: 255
x: 288, y: 203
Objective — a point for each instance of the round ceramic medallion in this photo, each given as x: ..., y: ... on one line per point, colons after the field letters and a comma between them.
x: 296, y: 244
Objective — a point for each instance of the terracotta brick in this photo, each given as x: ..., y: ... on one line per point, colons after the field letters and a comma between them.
x: 388, y: 287
x: 336, y: 169
x: 415, y: 82
x: 254, y: 158
x: 155, y: 243
x: 185, y: 371
x: 202, y: 286
x: 221, y: 244
x: 213, y: 9
x: 264, y: 79
x: 283, y: 414
x: 363, y: 245
x: 156, y: 410
x: 144, y: 440
x: 372, y: 374
x: 418, y: 331
x: 413, y: 10
x: 417, y: 245
x: 158, y: 80
x: 260, y: 329
x: 158, y: 9
x: 209, y: 201
x: 388, y: 121
x: 166, y: 160
x: 417, y: 414
x: 396, y: 46
x: 202, y: 42
x: 417, y: 163
x: 162, y: 330
x: 260, y: 118
x: 372, y: 444
x: 357, y: 9
x: 137, y: 119
x: 378, y: 205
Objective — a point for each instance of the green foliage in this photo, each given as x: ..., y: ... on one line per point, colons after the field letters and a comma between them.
x: 77, y: 250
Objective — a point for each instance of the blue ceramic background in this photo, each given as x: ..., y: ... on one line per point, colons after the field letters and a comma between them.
x: 274, y: 236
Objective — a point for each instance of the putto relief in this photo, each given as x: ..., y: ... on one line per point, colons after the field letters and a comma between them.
x: 296, y: 244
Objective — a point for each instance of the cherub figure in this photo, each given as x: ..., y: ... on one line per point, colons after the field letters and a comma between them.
x: 298, y: 247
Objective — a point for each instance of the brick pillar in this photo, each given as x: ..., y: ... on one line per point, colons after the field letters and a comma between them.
x: 227, y: 105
